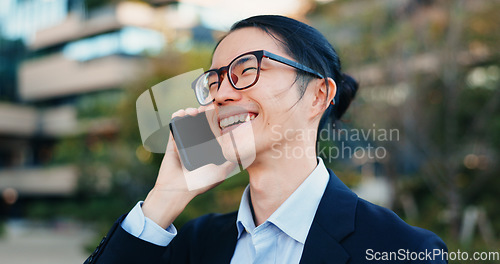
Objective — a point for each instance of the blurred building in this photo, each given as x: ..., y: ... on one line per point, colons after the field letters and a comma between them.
x: 63, y: 66
x: 60, y: 63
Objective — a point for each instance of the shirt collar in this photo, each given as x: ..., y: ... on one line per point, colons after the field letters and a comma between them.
x: 295, y: 216
x: 244, y: 221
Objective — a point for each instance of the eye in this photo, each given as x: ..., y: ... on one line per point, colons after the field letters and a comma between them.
x: 213, y: 85
x: 212, y: 81
x: 248, y: 69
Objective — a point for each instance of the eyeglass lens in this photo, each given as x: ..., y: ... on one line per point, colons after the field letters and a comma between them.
x: 242, y: 74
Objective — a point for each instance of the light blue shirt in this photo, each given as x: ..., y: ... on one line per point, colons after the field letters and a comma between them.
x: 280, y: 239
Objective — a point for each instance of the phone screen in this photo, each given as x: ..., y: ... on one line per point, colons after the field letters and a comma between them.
x: 196, y: 142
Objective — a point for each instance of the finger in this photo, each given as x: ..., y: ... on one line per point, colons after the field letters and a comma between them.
x: 191, y: 111
x: 171, y: 146
x: 171, y: 153
x: 204, y: 108
x: 179, y: 113
x: 171, y: 158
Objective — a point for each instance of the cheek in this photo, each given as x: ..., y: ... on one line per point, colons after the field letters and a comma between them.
x: 277, y: 101
x: 275, y: 86
x: 274, y: 99
x: 213, y: 122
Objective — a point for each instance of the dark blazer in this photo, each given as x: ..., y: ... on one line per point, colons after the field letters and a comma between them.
x: 345, y: 229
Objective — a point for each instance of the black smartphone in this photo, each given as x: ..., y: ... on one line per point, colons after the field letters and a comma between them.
x: 195, y: 141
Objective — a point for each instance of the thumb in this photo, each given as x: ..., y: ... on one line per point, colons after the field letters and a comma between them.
x: 171, y: 151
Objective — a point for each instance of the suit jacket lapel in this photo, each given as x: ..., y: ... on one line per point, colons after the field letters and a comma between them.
x: 334, y: 220
x: 221, y: 249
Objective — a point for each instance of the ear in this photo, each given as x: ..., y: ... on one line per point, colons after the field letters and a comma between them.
x: 325, y: 90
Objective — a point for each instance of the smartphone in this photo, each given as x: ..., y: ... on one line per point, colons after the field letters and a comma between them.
x: 195, y: 141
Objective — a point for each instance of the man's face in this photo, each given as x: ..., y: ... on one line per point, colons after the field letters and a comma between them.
x: 271, y: 107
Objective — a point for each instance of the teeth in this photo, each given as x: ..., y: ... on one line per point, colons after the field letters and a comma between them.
x: 228, y: 121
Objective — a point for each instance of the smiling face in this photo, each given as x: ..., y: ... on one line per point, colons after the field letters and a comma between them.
x: 266, y: 111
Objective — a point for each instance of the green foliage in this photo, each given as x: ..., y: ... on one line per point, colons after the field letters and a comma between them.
x: 450, y: 116
x: 99, y: 104
x: 95, y: 4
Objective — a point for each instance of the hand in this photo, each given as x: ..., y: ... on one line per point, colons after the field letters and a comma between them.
x: 175, y: 186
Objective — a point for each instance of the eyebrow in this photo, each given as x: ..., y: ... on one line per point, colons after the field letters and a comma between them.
x: 242, y: 60
x: 239, y: 62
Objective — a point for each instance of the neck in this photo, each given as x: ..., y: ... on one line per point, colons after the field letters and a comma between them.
x: 273, y: 180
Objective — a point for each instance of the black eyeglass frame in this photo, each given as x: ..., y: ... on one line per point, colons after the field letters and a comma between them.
x: 259, y: 54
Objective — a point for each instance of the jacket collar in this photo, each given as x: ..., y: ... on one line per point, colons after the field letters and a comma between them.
x: 294, y: 223
x: 334, y: 220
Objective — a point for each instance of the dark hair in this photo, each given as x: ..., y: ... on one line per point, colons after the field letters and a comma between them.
x: 309, y: 47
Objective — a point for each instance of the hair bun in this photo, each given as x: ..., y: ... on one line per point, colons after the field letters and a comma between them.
x: 346, y: 91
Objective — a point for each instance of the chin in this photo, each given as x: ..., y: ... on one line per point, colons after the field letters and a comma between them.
x: 238, y: 145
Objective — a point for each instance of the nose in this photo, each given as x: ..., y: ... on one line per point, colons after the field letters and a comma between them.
x: 226, y: 92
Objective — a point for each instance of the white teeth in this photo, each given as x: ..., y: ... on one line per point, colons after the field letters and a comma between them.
x: 228, y: 121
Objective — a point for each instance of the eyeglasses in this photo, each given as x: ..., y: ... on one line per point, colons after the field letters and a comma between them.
x: 243, y: 72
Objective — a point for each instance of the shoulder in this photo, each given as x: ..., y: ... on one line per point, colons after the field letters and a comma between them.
x: 387, y: 230
x: 380, y: 234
